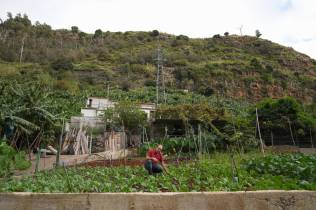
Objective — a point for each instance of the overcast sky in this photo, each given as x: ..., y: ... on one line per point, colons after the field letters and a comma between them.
x: 288, y: 22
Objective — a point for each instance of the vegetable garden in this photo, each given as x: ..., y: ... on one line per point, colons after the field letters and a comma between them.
x: 255, y: 172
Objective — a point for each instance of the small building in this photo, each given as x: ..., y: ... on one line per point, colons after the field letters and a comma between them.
x: 92, y: 121
x: 95, y: 106
x: 149, y: 109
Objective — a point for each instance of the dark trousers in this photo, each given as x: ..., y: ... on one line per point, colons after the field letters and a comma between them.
x: 153, y: 168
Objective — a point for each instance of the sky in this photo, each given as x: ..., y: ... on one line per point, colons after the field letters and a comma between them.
x: 287, y: 22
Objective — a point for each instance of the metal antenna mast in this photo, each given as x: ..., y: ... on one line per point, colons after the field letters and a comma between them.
x: 240, y: 29
x: 160, y: 80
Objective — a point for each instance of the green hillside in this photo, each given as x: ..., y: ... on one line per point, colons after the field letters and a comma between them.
x: 231, y: 66
x: 46, y: 75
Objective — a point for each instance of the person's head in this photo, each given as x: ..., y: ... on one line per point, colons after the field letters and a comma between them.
x: 159, y: 147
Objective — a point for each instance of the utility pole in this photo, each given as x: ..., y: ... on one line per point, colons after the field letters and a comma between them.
x: 163, y: 85
x: 240, y: 29
x: 160, y: 80
x: 157, y: 76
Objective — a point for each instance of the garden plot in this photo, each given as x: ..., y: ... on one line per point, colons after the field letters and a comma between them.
x: 255, y: 172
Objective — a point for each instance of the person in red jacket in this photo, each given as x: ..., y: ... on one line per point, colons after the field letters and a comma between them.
x: 155, y: 161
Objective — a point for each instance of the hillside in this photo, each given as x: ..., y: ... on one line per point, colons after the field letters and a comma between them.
x: 241, y: 67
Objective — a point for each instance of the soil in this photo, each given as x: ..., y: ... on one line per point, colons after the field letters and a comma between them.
x: 127, y: 162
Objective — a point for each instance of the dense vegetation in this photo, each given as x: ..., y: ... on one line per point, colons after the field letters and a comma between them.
x: 212, y: 174
x: 212, y: 86
x: 231, y: 66
x: 11, y: 160
x: 295, y: 166
x: 45, y: 76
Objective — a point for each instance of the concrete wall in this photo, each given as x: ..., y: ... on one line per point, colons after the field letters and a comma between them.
x: 261, y: 200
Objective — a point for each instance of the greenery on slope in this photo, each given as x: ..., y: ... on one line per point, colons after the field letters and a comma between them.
x: 231, y: 66
x: 46, y: 75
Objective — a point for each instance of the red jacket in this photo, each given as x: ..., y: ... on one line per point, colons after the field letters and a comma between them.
x: 156, y: 154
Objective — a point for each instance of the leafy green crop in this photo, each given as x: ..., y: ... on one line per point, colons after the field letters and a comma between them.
x: 212, y: 174
x: 299, y: 166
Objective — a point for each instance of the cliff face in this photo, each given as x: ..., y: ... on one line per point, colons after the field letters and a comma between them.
x: 230, y: 66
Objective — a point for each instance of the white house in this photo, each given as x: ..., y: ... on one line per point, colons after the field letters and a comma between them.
x: 149, y: 109
x: 95, y: 107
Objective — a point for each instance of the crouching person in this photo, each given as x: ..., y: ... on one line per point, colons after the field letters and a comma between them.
x: 155, y: 161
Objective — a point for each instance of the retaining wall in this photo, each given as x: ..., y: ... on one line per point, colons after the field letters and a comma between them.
x: 260, y: 200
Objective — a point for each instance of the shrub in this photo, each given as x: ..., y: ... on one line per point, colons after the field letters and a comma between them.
x: 150, y: 83
x: 62, y: 64
x: 258, y: 34
x: 206, y: 91
x: 98, y: 33
x: 255, y: 63
x: 154, y: 33
x: 11, y: 160
x: 104, y: 55
x: 182, y: 37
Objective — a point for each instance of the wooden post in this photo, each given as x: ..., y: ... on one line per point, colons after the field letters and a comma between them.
x: 288, y: 120
x: 90, y: 145
x: 60, y: 145
x: 261, y: 142
x: 200, y: 141
x: 38, y: 156
x: 272, y: 143
x: 124, y: 138
x: 310, y: 133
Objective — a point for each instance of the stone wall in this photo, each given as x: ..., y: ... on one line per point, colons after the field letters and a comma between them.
x: 260, y: 200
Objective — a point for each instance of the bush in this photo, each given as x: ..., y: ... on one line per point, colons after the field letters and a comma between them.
x: 182, y: 37
x: 256, y: 64
x: 206, y: 91
x: 142, y: 150
x: 150, y: 83
x: 11, y: 160
x: 105, y: 55
x: 176, y: 145
x: 154, y: 33
x: 258, y: 34
x: 62, y: 64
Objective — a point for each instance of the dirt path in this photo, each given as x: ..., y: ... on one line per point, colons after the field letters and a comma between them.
x: 48, y: 162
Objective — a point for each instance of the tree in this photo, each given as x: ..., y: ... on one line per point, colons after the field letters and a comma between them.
x: 282, y: 115
x: 42, y: 30
x: 62, y: 64
x: 98, y: 33
x: 154, y: 33
x: 127, y: 116
x: 74, y: 29
x: 258, y: 34
x: 20, y: 26
x: 226, y: 34
x: 182, y: 37
x: 25, y: 113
